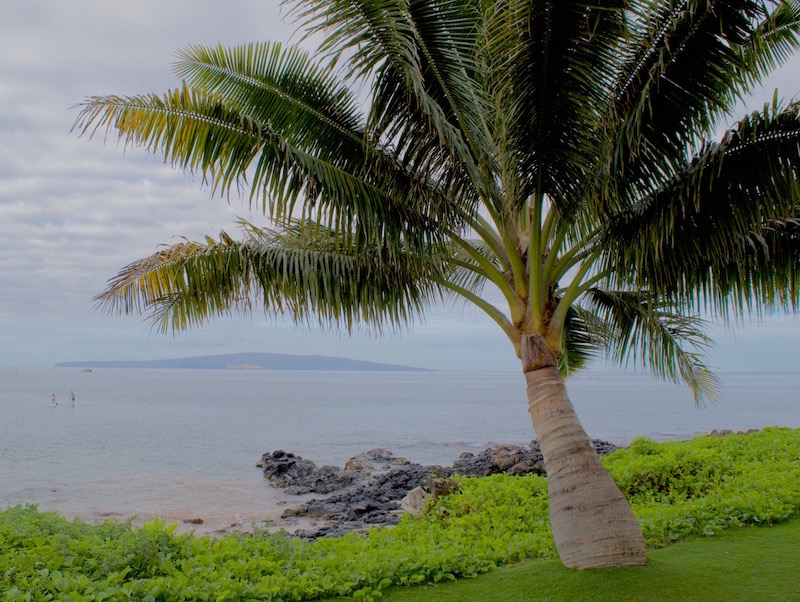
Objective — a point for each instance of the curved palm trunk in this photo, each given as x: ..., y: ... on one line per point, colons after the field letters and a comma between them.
x: 593, y: 525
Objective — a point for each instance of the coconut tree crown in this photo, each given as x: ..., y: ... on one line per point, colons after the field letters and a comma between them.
x: 564, y: 153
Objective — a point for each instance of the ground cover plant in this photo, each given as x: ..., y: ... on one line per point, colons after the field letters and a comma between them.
x: 676, y: 489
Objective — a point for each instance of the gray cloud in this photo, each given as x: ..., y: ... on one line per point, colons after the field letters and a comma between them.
x: 74, y: 211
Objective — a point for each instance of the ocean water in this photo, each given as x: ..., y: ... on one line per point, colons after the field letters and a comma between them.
x: 183, y: 444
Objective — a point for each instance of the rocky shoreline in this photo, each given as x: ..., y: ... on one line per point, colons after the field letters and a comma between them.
x: 376, y: 487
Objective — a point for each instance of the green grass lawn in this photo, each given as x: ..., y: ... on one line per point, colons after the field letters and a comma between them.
x: 752, y: 563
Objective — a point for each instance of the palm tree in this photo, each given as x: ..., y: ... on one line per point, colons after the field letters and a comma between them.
x: 561, y: 153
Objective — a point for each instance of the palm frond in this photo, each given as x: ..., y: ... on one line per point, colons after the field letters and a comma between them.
x: 653, y: 334
x: 280, y: 87
x: 316, y: 112
x: 194, y: 131
x: 733, y: 205
x: 550, y: 65
x: 764, y: 276
x: 417, y: 57
x: 301, y: 271
x: 582, y: 341
x: 692, y: 61
x: 773, y: 42
x: 380, y: 204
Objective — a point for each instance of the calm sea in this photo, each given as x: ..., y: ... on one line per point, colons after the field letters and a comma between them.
x: 183, y: 444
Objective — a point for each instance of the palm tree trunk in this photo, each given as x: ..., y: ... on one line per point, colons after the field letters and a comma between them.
x: 593, y: 525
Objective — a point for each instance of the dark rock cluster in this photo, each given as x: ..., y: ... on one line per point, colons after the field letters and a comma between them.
x: 726, y: 432
x: 297, y: 476
x: 366, y: 492
x: 369, y: 489
x: 512, y: 459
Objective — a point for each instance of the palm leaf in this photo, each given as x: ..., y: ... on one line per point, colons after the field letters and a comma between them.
x: 583, y: 340
x: 417, y: 56
x: 305, y: 103
x: 724, y: 208
x: 282, y: 88
x: 691, y: 63
x: 198, y: 132
x: 551, y: 64
x: 654, y: 334
x: 301, y: 271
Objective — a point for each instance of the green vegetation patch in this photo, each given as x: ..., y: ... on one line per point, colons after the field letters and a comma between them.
x: 676, y: 489
x: 709, y: 484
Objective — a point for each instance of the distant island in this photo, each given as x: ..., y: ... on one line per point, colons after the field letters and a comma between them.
x: 253, y: 361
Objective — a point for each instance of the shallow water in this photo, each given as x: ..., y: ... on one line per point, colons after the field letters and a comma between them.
x: 182, y: 444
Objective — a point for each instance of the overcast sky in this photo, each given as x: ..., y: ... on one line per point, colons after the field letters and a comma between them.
x: 74, y: 211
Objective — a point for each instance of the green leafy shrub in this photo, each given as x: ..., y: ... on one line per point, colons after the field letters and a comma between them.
x: 709, y: 483
x: 676, y: 489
